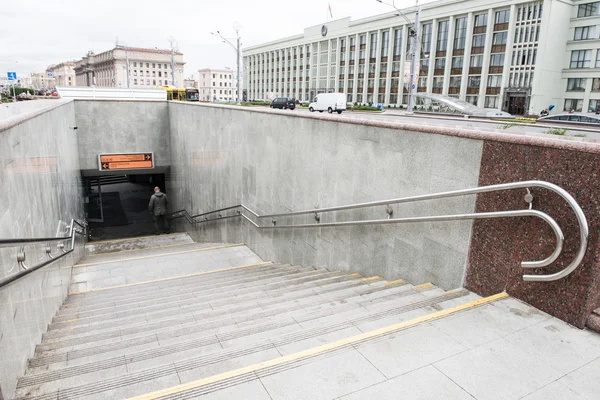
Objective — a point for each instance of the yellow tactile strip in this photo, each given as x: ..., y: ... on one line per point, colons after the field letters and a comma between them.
x: 317, y: 350
x: 159, y: 255
x: 174, y: 277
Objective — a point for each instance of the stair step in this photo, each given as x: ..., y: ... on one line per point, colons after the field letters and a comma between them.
x: 114, y: 367
x: 359, y: 291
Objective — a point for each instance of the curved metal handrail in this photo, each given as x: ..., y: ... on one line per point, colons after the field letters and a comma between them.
x: 73, y: 231
x: 581, y: 219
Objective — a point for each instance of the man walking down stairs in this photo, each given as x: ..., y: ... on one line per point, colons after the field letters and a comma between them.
x: 165, y: 317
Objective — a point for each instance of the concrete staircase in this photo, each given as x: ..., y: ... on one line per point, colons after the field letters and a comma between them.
x: 152, y: 313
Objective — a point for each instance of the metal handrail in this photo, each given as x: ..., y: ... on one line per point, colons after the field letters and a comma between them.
x: 73, y: 231
x: 581, y: 219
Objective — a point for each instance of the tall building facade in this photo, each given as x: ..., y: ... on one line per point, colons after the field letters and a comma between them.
x: 517, y: 56
x: 217, y: 84
x: 63, y: 73
x: 131, y: 67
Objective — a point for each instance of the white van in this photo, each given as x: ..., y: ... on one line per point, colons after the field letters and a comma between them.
x: 329, y: 102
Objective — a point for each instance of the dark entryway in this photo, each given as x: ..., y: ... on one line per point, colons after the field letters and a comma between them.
x: 516, y: 101
x: 117, y: 205
x: 516, y: 105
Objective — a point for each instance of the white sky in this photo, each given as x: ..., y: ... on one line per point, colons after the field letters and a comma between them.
x: 37, y: 33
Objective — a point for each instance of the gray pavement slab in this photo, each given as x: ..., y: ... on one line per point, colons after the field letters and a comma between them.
x: 498, y: 370
x: 554, y: 391
x: 253, y: 390
x: 585, y: 380
x: 426, y: 383
x: 410, y: 349
x: 325, y: 378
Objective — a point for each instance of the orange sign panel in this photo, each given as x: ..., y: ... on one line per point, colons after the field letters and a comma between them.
x: 109, y: 162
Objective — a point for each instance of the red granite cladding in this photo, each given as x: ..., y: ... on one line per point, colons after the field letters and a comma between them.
x: 499, y: 246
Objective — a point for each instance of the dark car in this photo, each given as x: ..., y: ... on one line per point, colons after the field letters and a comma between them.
x: 284, y: 102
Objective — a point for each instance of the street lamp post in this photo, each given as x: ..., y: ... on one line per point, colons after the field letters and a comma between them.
x: 412, y: 51
x: 238, y: 51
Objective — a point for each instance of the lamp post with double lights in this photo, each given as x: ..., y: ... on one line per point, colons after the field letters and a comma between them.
x: 412, y: 51
x: 238, y: 51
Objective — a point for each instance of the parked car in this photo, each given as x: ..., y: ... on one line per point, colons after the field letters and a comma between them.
x: 572, y: 118
x: 329, y: 102
x: 284, y: 103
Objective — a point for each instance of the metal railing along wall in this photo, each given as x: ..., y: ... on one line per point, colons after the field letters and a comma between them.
x: 242, y: 211
x: 74, y: 229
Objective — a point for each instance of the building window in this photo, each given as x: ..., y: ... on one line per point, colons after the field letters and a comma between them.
x: 460, y: 33
x: 481, y: 20
x: 135, y: 63
x: 373, y: 50
x: 166, y: 82
x: 497, y: 60
x: 135, y: 81
x: 576, y: 84
x: 594, y: 106
x: 596, y: 84
x: 153, y: 65
x: 471, y: 100
x: 573, y: 105
x: 153, y: 73
x: 455, y: 81
x: 491, y: 102
x: 581, y: 59
x: 426, y: 38
x: 159, y: 66
x: 159, y: 74
x: 502, y: 17
x: 214, y: 84
x: 588, y: 10
x: 385, y: 43
x: 438, y: 82
x: 585, y: 32
x: 214, y: 75
x: 148, y: 82
x: 499, y: 38
x: 457, y: 62
x: 147, y: 65
x: 474, y: 81
x: 442, y: 40
x: 479, y: 40
x: 165, y: 66
x: 598, y: 59
x: 476, y: 61
x: 154, y: 81
x: 494, y: 81
x: 440, y: 63
x: 397, y: 42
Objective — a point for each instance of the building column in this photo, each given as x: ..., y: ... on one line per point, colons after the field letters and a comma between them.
x: 432, y: 51
x: 355, y: 72
x: 467, y: 57
x: 377, y: 67
x: 512, y: 23
x: 328, y: 65
x: 489, y: 33
x: 388, y: 72
x: 449, y: 48
x: 403, y: 60
x: 346, y: 65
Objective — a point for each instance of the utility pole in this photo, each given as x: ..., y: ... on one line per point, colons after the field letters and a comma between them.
x: 413, y: 29
x: 238, y: 53
x: 171, y: 40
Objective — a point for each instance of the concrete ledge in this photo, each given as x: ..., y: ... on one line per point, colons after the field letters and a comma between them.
x: 29, y: 113
x: 530, y: 139
x: 593, y: 321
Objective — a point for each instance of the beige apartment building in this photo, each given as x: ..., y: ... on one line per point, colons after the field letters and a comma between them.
x: 217, y: 84
x: 63, y: 73
x: 130, y: 67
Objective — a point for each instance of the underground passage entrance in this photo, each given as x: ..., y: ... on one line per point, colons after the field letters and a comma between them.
x: 117, y: 205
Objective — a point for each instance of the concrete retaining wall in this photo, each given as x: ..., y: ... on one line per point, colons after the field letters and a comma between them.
x: 41, y: 186
x: 273, y: 163
x: 106, y: 126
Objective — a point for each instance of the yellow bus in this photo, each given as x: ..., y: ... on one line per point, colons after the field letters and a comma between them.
x: 174, y: 93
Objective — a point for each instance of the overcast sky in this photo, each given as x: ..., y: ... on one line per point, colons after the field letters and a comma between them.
x: 37, y: 33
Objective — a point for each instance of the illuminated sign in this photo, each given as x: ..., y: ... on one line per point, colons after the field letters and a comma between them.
x: 111, y: 162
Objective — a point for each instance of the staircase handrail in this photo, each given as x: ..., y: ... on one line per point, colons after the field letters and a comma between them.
x: 580, y: 216
x: 75, y: 228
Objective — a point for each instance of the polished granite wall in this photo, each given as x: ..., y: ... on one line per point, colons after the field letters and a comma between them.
x: 499, y: 246
x: 274, y: 163
x: 40, y: 193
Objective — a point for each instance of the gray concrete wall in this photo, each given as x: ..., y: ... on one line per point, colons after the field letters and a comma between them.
x: 106, y: 126
x: 41, y: 185
x: 277, y: 163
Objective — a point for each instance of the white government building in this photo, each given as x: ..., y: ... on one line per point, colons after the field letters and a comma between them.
x: 516, y: 56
